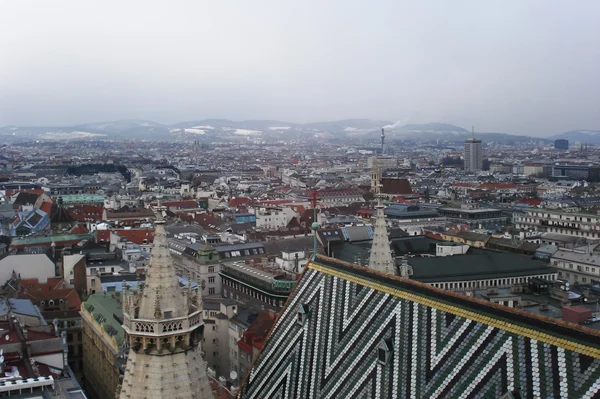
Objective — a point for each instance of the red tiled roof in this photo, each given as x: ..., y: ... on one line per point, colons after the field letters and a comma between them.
x: 136, y: 236
x: 364, y: 212
x: 205, y: 219
x: 497, y: 186
x: 39, y: 191
x: 84, y: 213
x: 433, y: 235
x: 103, y: 235
x: 139, y: 213
x: 33, y: 289
x: 395, y: 186
x: 257, y: 333
x: 245, y: 346
x: 46, y: 207
x: 531, y: 201
x: 298, y: 208
x: 235, y: 202
x: 401, y: 200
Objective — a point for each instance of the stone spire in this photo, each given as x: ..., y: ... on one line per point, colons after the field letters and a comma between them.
x: 381, y: 258
x: 161, y: 289
x: 163, y: 332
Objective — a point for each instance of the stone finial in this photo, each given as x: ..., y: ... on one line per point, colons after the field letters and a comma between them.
x: 157, y: 310
x: 186, y: 301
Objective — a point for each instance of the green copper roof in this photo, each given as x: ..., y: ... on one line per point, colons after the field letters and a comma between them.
x: 47, y: 239
x: 106, y: 310
x: 81, y: 198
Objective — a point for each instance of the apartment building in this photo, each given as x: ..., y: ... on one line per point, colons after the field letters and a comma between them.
x: 577, y: 266
x: 103, y: 353
x: 199, y: 263
x: 566, y: 223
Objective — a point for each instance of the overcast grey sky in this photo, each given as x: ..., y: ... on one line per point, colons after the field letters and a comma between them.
x: 513, y: 66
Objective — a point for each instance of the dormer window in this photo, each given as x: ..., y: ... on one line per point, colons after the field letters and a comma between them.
x: 303, y: 313
x: 384, y: 351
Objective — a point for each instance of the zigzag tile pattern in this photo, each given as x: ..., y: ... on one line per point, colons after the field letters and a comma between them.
x: 434, y: 354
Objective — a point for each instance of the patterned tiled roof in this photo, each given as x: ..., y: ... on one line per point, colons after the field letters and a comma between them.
x: 347, y: 331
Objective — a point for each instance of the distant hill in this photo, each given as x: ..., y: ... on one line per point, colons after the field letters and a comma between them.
x: 347, y: 125
x: 434, y: 127
x: 584, y: 136
x: 456, y: 134
x: 209, y: 130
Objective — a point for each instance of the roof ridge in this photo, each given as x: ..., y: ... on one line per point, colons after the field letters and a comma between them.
x: 491, y: 305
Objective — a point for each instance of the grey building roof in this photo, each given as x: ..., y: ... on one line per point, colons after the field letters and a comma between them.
x: 237, y: 247
x: 288, y: 245
x: 560, y: 237
x: 579, y: 257
x: 547, y: 249
x: 476, y: 265
x: 25, y: 307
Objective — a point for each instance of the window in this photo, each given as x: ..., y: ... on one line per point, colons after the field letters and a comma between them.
x: 211, y: 269
x: 303, y: 313
x: 211, y: 280
x: 211, y: 291
x: 93, y: 282
x: 384, y: 351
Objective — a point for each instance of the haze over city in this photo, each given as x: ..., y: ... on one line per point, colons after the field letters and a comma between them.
x: 515, y: 67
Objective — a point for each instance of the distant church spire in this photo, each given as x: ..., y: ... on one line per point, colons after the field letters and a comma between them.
x: 381, y: 258
x: 163, y: 332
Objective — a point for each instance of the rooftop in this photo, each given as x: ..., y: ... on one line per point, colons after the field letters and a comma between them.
x: 107, y: 310
x: 477, y: 264
x: 356, y: 315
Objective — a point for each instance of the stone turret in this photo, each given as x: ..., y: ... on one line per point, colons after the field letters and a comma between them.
x: 164, y: 332
x: 381, y: 258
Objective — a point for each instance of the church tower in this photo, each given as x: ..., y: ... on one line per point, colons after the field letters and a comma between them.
x: 381, y: 258
x: 164, y: 326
